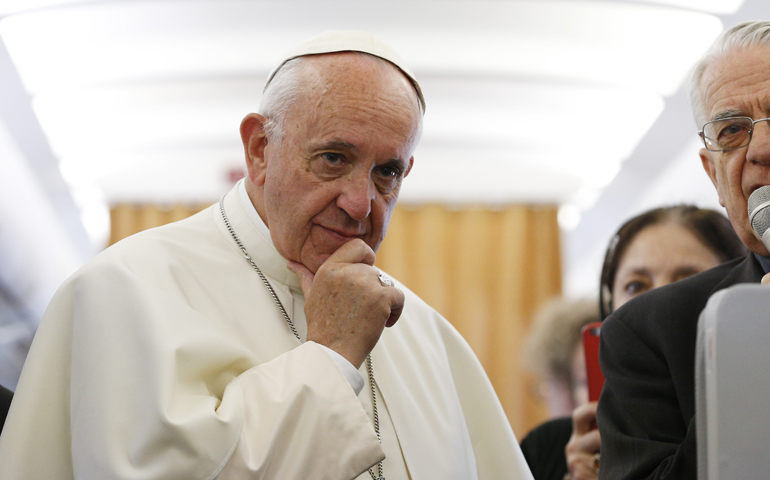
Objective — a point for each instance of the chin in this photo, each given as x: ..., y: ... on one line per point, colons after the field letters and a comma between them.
x: 314, y: 263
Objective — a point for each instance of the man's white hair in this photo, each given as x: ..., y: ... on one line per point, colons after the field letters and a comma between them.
x: 740, y: 37
x: 285, y: 88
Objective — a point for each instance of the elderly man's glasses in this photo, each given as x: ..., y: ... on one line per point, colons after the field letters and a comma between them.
x: 729, y: 133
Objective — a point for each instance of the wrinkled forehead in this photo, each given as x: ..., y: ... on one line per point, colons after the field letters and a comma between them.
x: 738, y: 83
x: 349, y: 87
x: 357, y: 75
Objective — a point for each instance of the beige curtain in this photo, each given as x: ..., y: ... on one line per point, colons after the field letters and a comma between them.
x: 128, y: 219
x: 485, y: 270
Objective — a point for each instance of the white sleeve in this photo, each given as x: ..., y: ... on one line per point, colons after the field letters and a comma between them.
x: 352, y: 375
x: 160, y: 391
x: 301, y: 420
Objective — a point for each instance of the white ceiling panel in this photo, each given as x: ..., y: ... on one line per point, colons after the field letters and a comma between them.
x: 568, y: 102
x: 607, y: 42
x: 554, y: 88
x: 141, y: 117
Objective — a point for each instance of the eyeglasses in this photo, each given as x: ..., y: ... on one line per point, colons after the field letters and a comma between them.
x: 729, y: 133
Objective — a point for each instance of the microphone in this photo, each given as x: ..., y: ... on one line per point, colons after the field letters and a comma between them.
x: 759, y: 213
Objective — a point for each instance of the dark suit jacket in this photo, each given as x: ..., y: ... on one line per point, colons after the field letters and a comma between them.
x: 543, y: 448
x: 5, y: 403
x: 647, y: 353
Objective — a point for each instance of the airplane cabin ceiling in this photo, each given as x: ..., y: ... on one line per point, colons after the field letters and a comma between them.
x: 574, y: 103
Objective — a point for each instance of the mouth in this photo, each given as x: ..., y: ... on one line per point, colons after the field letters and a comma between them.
x: 341, y: 235
x: 754, y: 188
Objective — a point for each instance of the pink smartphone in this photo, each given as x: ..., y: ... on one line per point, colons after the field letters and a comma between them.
x: 594, y: 374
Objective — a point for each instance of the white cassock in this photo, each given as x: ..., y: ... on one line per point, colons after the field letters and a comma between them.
x: 165, y: 357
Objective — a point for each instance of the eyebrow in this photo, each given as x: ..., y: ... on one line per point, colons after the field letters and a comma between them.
x: 728, y: 114
x: 337, y: 145
x: 686, y: 270
x: 343, y: 145
x: 639, y: 271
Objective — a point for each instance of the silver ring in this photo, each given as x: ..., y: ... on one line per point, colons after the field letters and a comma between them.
x: 385, y: 280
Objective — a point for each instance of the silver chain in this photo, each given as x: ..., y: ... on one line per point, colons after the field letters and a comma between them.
x: 370, y: 372
x: 369, y: 367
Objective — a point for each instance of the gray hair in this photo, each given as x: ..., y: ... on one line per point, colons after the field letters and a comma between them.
x: 286, y: 86
x: 742, y: 36
x: 279, y: 96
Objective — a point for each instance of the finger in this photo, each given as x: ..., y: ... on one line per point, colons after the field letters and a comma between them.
x: 305, y: 276
x: 583, y: 444
x: 580, y: 464
x: 766, y: 279
x: 355, y: 251
x: 584, y: 417
x: 396, y: 306
x: 585, y: 472
x: 590, y: 443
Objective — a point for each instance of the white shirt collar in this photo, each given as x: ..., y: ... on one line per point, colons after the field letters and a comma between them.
x: 251, y: 211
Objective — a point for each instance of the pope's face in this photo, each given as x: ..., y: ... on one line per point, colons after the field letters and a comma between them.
x: 739, y: 85
x: 336, y: 174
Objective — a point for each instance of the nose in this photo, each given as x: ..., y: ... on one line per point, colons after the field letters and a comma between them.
x: 358, y: 191
x: 759, y: 147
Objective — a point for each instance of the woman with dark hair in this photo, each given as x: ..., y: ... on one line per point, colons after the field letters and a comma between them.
x: 653, y: 249
x: 709, y: 228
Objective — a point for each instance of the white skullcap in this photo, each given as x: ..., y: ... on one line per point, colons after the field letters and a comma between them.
x: 332, y: 41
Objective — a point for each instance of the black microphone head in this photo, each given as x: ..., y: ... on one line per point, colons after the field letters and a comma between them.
x: 759, y: 214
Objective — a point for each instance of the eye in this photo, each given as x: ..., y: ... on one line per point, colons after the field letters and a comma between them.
x: 732, y: 132
x: 635, y: 287
x: 390, y: 171
x: 731, y: 129
x: 388, y: 177
x: 332, y: 158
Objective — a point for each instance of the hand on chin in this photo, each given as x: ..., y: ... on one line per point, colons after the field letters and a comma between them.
x: 346, y: 305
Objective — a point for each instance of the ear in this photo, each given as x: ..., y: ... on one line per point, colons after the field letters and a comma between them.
x: 254, y: 143
x: 707, y: 160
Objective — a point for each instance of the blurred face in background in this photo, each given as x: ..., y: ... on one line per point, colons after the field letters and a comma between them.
x: 660, y: 254
x: 579, y: 376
